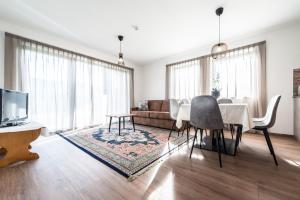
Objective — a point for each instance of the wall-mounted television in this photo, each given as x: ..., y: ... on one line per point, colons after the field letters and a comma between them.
x: 13, y: 107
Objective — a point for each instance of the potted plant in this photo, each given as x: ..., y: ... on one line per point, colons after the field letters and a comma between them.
x: 216, y: 91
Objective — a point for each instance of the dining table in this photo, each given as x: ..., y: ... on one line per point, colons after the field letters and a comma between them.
x: 236, y: 114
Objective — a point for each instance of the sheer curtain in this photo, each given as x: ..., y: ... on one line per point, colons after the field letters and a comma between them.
x: 183, y: 80
x: 66, y: 90
x: 237, y: 74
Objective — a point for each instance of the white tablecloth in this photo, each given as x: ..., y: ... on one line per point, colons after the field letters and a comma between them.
x: 231, y: 114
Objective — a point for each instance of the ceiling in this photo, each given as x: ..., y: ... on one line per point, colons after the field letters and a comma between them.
x: 167, y: 27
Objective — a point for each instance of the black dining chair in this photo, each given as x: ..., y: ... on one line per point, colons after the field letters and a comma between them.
x: 205, y: 114
x: 227, y: 101
x: 263, y: 124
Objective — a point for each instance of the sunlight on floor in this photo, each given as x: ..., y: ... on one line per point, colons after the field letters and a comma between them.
x: 197, y: 156
x: 166, y: 190
x: 42, y: 139
x: 293, y: 162
x: 156, y: 168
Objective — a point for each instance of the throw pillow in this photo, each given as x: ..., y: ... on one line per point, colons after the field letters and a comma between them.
x: 143, y: 105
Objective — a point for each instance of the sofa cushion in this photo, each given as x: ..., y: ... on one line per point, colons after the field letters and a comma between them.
x: 141, y: 113
x: 159, y: 115
x: 154, y: 105
x: 165, y: 106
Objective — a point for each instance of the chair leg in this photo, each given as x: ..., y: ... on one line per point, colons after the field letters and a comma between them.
x: 171, y: 130
x: 231, y: 130
x: 223, y: 139
x: 218, y: 148
x: 268, y: 140
x: 188, y: 133
x: 237, y: 141
x: 195, y: 137
x: 241, y: 137
x: 212, y: 138
x: 184, y: 127
x: 201, y: 134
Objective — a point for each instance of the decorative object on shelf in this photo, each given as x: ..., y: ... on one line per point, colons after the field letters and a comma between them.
x: 296, y: 82
x: 121, y: 59
x: 220, y: 47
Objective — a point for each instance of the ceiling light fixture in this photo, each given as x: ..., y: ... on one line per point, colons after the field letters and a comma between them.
x: 220, y: 47
x: 121, y: 59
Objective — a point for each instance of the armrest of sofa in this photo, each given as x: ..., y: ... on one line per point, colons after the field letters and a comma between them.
x: 134, y: 109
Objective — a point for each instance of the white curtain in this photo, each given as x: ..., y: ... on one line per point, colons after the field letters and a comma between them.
x: 236, y: 75
x: 67, y: 90
x: 183, y: 80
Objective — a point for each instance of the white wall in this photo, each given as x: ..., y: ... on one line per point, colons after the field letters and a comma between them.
x: 283, y: 55
x: 65, y: 44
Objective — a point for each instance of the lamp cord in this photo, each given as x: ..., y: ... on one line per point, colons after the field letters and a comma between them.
x: 219, y: 29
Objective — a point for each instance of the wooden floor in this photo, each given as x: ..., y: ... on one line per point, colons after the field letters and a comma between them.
x: 65, y: 172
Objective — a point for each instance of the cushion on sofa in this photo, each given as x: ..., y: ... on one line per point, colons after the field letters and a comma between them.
x: 141, y: 113
x: 165, y: 106
x: 159, y: 115
x: 154, y: 105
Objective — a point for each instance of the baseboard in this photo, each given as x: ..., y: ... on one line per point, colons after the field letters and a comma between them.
x: 271, y: 133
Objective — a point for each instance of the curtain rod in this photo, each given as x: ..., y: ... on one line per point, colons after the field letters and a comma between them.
x: 65, y: 50
x: 209, y: 55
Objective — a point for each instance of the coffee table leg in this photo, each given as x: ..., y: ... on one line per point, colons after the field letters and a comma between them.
x: 109, y: 124
x: 119, y: 125
x: 132, y: 119
x: 123, y: 122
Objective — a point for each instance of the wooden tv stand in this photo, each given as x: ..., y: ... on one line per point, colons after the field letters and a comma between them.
x: 15, y: 143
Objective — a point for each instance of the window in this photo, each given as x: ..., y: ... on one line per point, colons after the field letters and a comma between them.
x: 67, y: 90
x: 239, y: 74
x: 184, y: 80
x: 235, y: 74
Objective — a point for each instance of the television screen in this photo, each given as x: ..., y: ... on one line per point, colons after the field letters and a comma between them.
x: 14, y: 106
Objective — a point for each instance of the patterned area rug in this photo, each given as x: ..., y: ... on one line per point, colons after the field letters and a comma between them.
x: 130, y: 153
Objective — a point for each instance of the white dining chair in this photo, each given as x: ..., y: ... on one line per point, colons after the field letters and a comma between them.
x: 263, y: 124
x: 186, y: 101
x: 174, y: 108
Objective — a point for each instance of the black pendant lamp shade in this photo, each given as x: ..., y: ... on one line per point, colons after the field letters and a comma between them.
x: 121, y: 59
